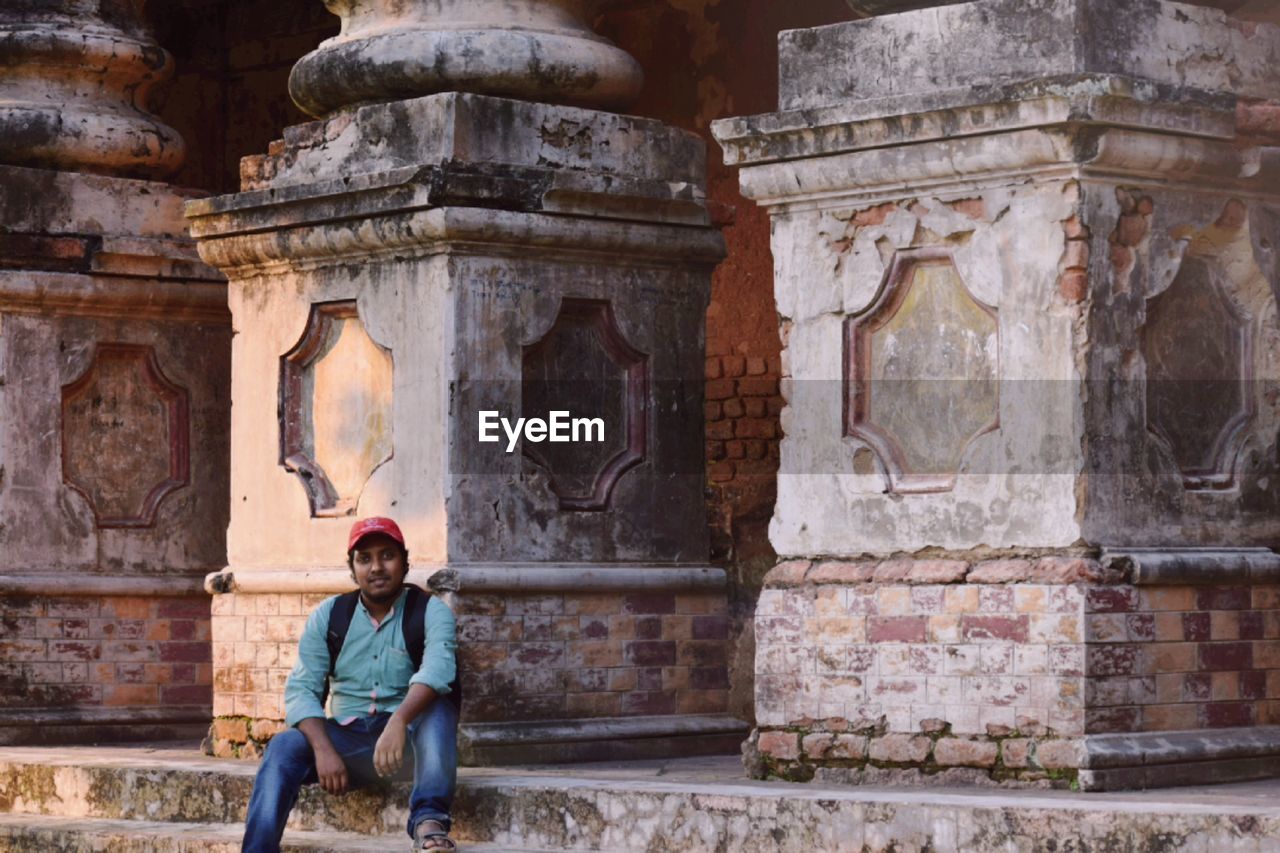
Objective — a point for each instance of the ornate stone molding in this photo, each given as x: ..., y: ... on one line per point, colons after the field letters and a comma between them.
x: 335, y: 408
x: 529, y: 579
x: 551, y: 363
x: 538, y: 50
x: 74, y: 82
x: 125, y: 435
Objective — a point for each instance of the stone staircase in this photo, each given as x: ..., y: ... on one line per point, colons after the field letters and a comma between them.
x: 171, y: 799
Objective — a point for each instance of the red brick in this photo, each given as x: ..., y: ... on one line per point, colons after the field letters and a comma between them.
x: 713, y: 411
x: 755, y: 428
x: 1111, y: 600
x: 646, y: 603
x: 1058, y: 754
x: 712, y: 627
x: 1196, y: 626
x: 757, y: 366
x: 958, y: 752
x: 719, y: 389
x: 784, y: 746
x: 1224, y: 598
x: 651, y: 652
x: 1111, y: 720
x: 720, y: 472
x: 1216, y: 657
x: 1220, y: 715
x: 649, y: 628
x: 194, y: 652
x: 937, y: 571
x: 653, y: 702
x: 183, y: 608
x: 978, y: 629
x: 734, y: 365
x: 720, y: 430
x: 1253, y: 685
x: 1060, y: 570
x: 1196, y: 686
x: 896, y: 629
x: 756, y: 407
x: 186, y: 694
x: 1112, y: 660
x: 758, y: 386
x: 1251, y: 625
x: 1000, y: 571
x: 713, y: 369
x: 709, y: 677
x: 74, y: 650
x: 899, y: 748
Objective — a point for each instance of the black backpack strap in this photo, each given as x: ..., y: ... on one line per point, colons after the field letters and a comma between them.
x: 415, y: 634
x: 339, y: 623
x: 413, y: 623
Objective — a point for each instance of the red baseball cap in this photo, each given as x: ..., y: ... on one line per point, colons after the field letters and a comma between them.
x: 368, y: 526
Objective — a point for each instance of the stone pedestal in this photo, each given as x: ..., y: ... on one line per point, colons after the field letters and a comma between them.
x: 1026, y: 279
x: 398, y: 269
x: 114, y: 347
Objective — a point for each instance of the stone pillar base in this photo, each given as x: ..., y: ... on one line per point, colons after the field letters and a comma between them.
x: 569, y: 663
x: 1046, y: 670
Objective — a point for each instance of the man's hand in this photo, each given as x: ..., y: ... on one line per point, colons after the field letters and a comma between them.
x: 331, y: 770
x: 388, y: 755
x: 329, y: 765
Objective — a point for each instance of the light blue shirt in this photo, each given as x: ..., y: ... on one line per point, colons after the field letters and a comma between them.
x: 374, y: 670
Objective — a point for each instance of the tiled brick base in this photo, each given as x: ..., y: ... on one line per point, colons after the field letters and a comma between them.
x: 522, y: 657
x: 1000, y: 665
x: 104, y: 652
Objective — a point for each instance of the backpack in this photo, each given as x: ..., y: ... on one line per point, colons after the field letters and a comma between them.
x: 411, y: 624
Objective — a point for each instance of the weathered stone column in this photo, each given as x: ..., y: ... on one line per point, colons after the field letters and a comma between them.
x: 1027, y: 278
x: 114, y: 346
x: 399, y: 267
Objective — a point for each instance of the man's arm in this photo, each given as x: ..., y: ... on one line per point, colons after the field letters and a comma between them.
x: 438, y: 670
x: 304, y: 694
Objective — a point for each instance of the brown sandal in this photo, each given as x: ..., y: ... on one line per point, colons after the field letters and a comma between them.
x: 428, y: 834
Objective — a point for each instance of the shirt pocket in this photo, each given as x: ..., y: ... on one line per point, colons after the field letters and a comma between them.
x: 399, y: 667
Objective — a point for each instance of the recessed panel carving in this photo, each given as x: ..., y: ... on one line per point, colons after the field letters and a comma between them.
x: 584, y: 366
x: 125, y: 435
x: 335, y: 408
x: 922, y: 372
x: 1197, y: 349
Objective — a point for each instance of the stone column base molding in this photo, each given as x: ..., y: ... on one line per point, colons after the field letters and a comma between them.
x: 1163, y: 759
x: 41, y: 726
x: 602, y: 739
x: 472, y: 578
x: 79, y: 584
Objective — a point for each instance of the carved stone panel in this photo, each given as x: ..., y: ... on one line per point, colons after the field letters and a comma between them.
x: 922, y: 371
x: 125, y: 435
x: 584, y: 366
x: 1196, y: 345
x: 335, y: 408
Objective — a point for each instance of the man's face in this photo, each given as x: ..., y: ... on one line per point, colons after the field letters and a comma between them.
x: 379, y: 567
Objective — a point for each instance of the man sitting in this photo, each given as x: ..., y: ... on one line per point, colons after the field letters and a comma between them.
x: 385, y: 692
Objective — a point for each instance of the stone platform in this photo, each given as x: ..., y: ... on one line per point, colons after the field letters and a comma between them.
x: 169, y: 797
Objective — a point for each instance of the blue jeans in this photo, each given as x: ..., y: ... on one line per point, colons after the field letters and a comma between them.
x: 289, y: 764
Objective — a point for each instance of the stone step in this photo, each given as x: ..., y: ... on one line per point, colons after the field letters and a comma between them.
x: 696, y: 804
x: 46, y: 834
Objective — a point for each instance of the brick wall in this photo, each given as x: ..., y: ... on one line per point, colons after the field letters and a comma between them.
x: 73, y: 652
x: 996, y: 668
x: 521, y: 657
x: 1170, y: 658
